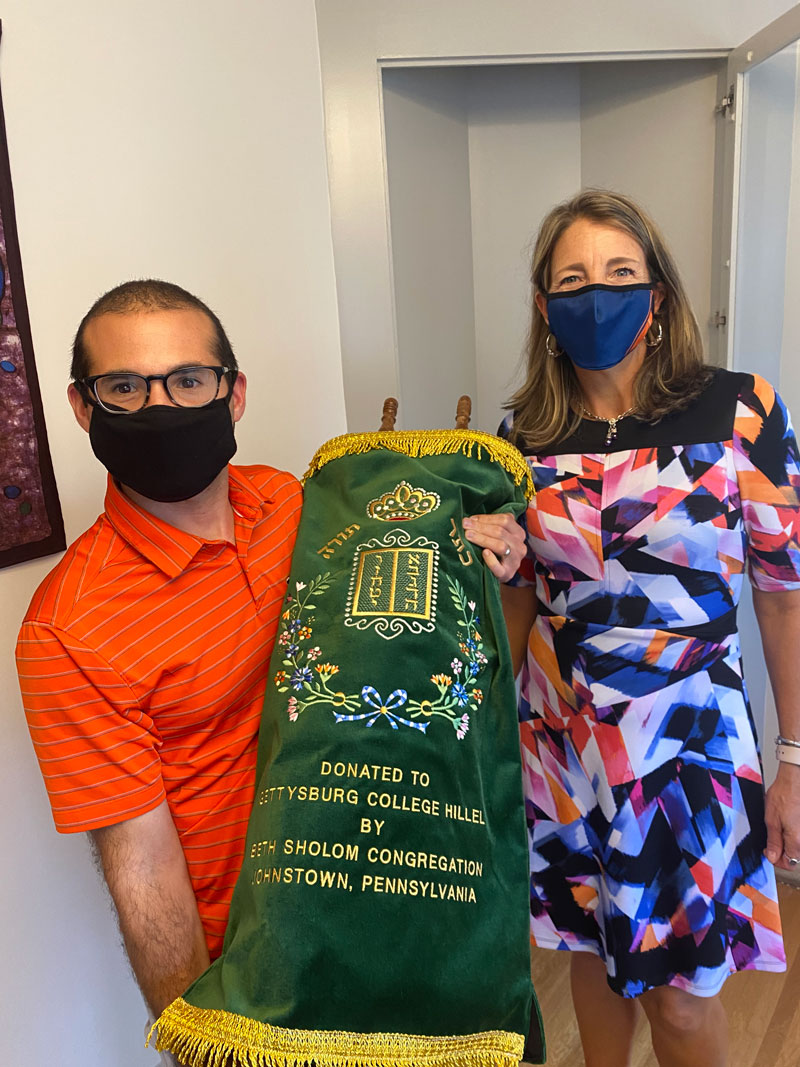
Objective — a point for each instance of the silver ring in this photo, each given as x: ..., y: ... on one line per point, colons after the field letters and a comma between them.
x: 792, y: 861
x: 508, y: 553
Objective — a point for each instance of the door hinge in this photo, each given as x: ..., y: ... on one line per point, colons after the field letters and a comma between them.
x: 720, y: 319
x: 726, y: 103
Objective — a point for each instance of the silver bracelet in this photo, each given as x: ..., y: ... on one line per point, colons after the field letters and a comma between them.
x: 786, y: 741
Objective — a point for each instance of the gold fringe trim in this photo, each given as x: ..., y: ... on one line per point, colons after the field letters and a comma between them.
x: 208, y: 1037
x: 418, y: 443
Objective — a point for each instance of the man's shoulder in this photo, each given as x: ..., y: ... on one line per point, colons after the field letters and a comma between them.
x: 76, y: 574
x: 262, y: 476
x: 281, y: 489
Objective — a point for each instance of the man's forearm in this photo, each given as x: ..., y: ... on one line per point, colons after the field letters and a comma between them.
x: 146, y: 874
x: 164, y: 941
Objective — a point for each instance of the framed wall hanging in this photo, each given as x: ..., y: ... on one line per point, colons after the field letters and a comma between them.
x: 30, y: 513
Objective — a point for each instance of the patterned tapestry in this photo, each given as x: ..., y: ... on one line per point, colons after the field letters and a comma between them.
x: 30, y: 514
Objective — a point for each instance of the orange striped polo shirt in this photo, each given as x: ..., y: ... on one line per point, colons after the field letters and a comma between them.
x: 142, y: 663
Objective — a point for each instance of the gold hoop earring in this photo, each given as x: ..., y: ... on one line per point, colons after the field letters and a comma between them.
x: 554, y: 352
x: 657, y: 340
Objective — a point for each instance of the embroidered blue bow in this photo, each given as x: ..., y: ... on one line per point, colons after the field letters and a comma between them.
x: 395, y: 699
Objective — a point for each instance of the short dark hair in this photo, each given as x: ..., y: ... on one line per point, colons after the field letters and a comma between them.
x: 147, y: 294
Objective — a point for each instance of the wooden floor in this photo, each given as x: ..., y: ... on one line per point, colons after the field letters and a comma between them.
x: 763, y: 1009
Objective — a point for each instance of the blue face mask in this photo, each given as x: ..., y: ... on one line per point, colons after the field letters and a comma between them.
x: 598, y: 325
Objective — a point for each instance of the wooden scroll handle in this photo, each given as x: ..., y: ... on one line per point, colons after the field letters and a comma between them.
x: 463, y: 412
x: 389, y: 413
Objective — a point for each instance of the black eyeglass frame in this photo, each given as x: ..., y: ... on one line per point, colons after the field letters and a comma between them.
x: 88, y: 386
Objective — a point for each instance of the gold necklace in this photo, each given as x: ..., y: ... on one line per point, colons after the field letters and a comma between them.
x: 612, y: 423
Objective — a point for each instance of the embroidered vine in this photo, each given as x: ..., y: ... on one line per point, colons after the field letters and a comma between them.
x: 458, y: 693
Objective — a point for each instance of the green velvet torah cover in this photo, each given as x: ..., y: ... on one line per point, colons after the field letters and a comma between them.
x: 381, y: 914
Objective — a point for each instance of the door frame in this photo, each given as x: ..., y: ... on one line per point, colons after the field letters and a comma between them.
x: 764, y: 44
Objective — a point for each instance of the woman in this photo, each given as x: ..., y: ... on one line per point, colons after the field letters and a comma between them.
x: 659, y: 479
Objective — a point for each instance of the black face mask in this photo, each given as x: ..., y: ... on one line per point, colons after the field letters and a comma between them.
x: 165, y: 453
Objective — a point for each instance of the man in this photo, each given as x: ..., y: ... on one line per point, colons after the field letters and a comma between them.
x: 143, y: 656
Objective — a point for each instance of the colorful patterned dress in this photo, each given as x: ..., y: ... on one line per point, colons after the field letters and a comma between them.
x: 643, y: 780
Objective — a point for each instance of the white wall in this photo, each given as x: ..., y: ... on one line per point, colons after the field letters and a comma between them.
x: 181, y: 139
x: 790, y: 340
x: 790, y: 361
x: 524, y: 151
x: 466, y: 182
x: 766, y: 302
x: 427, y: 147
x: 764, y: 200
x: 356, y: 36
x: 649, y: 130
x: 463, y: 225
x: 537, y: 134
x: 777, y: 310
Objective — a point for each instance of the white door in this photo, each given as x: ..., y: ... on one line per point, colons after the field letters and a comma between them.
x: 758, y: 263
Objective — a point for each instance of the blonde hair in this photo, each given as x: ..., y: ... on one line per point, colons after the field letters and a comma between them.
x: 548, y: 406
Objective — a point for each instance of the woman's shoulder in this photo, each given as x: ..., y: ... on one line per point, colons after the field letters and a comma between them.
x: 716, y: 414
x: 724, y: 387
x: 756, y: 395
x: 735, y: 405
x: 709, y: 417
x: 762, y: 421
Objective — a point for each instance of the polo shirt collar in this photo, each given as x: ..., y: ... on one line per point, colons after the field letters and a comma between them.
x: 164, y: 545
x: 246, y: 499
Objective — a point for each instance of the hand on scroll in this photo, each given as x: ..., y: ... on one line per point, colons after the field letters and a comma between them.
x: 502, y: 539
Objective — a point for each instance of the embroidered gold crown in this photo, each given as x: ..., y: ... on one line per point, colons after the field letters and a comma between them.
x: 402, y: 504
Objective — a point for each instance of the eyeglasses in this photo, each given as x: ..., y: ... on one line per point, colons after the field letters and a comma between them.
x: 123, y: 393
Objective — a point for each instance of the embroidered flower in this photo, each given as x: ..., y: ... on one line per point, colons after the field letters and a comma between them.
x: 284, y: 638
x: 326, y: 669
x: 291, y: 650
x: 477, y: 696
x: 456, y: 665
x: 460, y: 693
x: 299, y: 585
x: 464, y: 649
x: 479, y: 656
x: 474, y: 668
x: 300, y: 677
x: 280, y: 677
x: 314, y: 653
x: 462, y: 727
x: 286, y: 613
x: 442, y: 680
x: 471, y: 644
x: 294, y: 626
x: 471, y: 605
x: 304, y: 632
x: 292, y: 709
